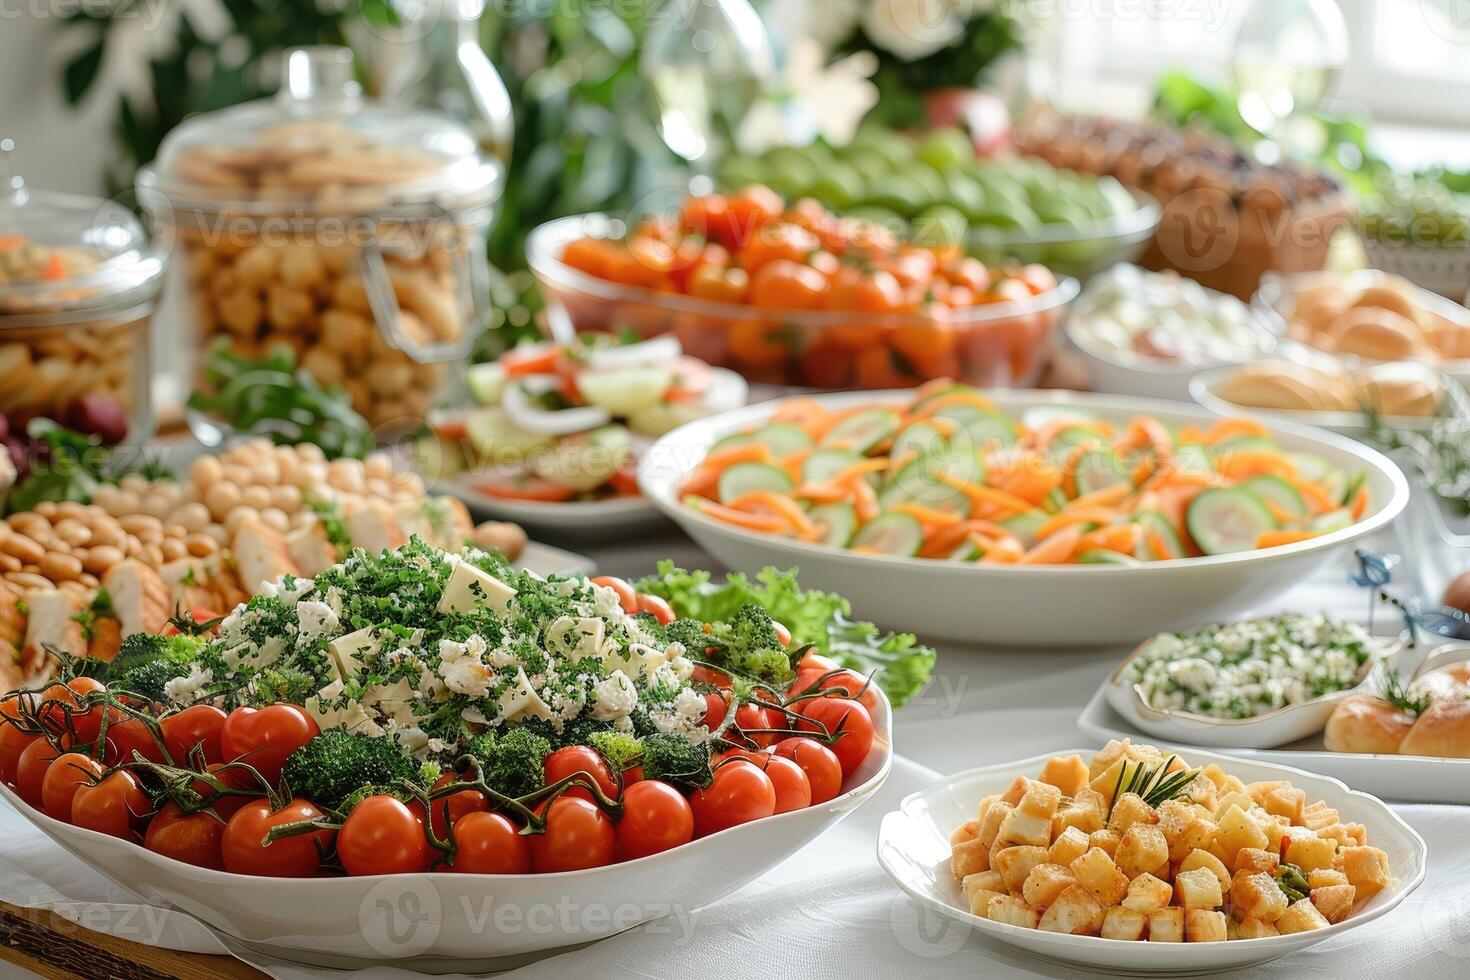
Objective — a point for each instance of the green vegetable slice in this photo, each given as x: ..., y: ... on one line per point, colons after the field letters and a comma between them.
x: 741, y: 478
x: 1103, y: 556
x: 1097, y: 469
x: 1278, y: 492
x: 862, y: 431
x: 923, y: 481
x: 840, y: 519
x: 920, y: 438
x: 890, y: 534
x: 983, y: 428
x: 1333, y: 520
x: 824, y: 464
x: 1024, y: 526
x: 1154, y: 521
x: 1223, y: 520
x: 782, y: 438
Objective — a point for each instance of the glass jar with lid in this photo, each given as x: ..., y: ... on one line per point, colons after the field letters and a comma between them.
x: 350, y: 232
x: 78, y: 281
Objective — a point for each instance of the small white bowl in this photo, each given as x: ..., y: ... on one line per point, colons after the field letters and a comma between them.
x: 913, y: 847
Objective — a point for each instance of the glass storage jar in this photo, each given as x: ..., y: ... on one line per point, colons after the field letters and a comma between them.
x: 78, y: 281
x: 352, y: 232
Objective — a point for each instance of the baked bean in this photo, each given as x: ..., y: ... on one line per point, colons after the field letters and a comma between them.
x: 30, y: 581
x: 137, y: 524
x: 200, y: 545
x: 152, y: 554
x: 88, y: 581
x: 60, y: 566
x: 73, y: 532
x: 256, y: 496
x: 173, y: 548
x: 191, y: 517
x: 9, y: 563
x: 238, y: 516
x: 205, y: 472
x: 286, y: 497
x: 23, y: 548
x: 99, y: 559
x: 221, y: 498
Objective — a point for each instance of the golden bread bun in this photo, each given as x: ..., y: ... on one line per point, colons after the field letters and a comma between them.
x: 1394, y: 295
x: 1404, y: 395
x: 1443, y: 729
x: 1375, y: 333
x: 1317, y: 306
x: 1362, y: 723
x: 1288, y: 385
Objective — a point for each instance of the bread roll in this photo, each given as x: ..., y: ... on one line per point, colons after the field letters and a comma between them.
x: 1412, y: 396
x: 1362, y: 723
x: 1443, y: 730
x: 1375, y: 333
x: 1287, y: 385
x: 1392, y: 295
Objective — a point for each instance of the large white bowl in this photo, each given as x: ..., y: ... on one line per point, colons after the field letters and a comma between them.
x: 913, y: 847
x: 447, y: 922
x: 1031, y: 605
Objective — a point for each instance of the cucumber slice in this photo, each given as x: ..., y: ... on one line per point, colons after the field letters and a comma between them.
x: 919, y: 482
x: 435, y: 458
x: 1335, y: 483
x: 623, y: 391
x: 742, y: 478
x: 1098, y: 469
x: 1070, y: 438
x: 1042, y: 415
x: 1102, y: 556
x: 862, y: 431
x: 782, y: 438
x: 1279, y: 492
x: 1024, y: 526
x: 486, y: 382
x: 1155, y: 521
x: 1054, y: 501
x: 824, y: 464
x: 1333, y: 520
x: 662, y: 417
x: 1223, y: 520
x: 586, y: 460
x: 984, y: 428
x: 920, y: 438
x: 494, y: 437
x: 1310, y: 467
x: 1354, y: 484
x: 969, y: 551
x: 840, y: 519
x: 733, y: 439
x: 890, y: 534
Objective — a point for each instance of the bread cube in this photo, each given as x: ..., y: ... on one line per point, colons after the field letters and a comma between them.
x: 1085, y: 815
x: 1129, y: 810
x: 964, y: 832
x: 1105, y: 840
x: 1016, y: 863
x: 985, y: 804
x: 1237, y: 832
x: 1045, y: 883
x: 1311, y: 854
x: 1013, y: 911
x: 989, y: 827
x: 1255, y: 895
x: 1124, y: 923
x: 1040, y: 801
x: 1255, y: 859
x: 1204, y: 859
x: 1016, y: 790
x: 1204, y: 926
x: 1318, y: 815
x: 1229, y: 800
x: 1166, y: 926
x: 1067, y: 773
x: 1076, y: 912
x: 1198, y: 889
x: 1251, y: 929
x: 1302, y: 916
x: 1143, y: 850
x: 1280, y: 798
x: 1324, y: 877
x: 1203, y: 793
x: 1274, y: 828
x: 1070, y: 845
x: 1096, y: 872
x: 1366, y: 869
x: 1334, y: 901
x: 978, y: 887
x: 1185, y: 829
x: 1023, y: 828
x: 967, y: 858
x: 1146, y: 893
x: 1346, y: 834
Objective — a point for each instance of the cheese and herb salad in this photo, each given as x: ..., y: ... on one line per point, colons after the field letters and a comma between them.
x: 1246, y: 669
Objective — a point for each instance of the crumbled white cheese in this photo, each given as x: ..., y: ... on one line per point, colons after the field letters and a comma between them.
x: 469, y: 588
x: 520, y: 700
x: 316, y: 619
x: 189, y: 688
x: 614, y: 697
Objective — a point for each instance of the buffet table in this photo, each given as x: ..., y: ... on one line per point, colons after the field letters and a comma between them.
x: 822, y: 912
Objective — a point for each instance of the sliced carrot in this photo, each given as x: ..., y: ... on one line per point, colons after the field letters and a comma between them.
x: 1106, y: 497
x: 1056, y: 549
x: 943, y: 540
x: 741, y: 452
x: 987, y: 497
x: 971, y: 398
x: 1319, y: 501
x: 791, y: 463
x: 1241, y: 464
x: 1006, y: 551
x: 865, y: 500
x: 1158, y: 545
x: 55, y: 267
x: 861, y: 468
x: 1077, y: 515
x: 1278, y: 513
x: 1359, y: 506
x: 1271, y: 539
x: 520, y: 361
x: 1115, y: 537
x: 821, y: 493
x: 928, y: 515
x: 1043, y: 436
x: 775, y: 503
x: 11, y: 242
x: 1230, y: 428
x: 1033, y: 482
x: 805, y: 414
x: 766, y: 523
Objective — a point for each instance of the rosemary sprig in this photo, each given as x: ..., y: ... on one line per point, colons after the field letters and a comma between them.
x: 1154, y: 784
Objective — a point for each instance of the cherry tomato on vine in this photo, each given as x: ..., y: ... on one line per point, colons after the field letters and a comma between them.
x: 116, y: 806
x: 449, y: 810
x: 851, y: 720
x: 578, y: 835
x: 382, y: 836
x: 193, y: 838
x: 61, y: 702
x: 264, y: 737
x: 657, y: 607
x: 715, y: 709
x: 490, y: 844
x: 655, y: 818
x: 245, y: 852
x: 575, y: 759
x: 782, y: 633
x: 793, y: 789
x: 198, y: 724
x: 13, y: 742
x: 128, y: 736
x: 226, y: 805
x: 739, y: 793
x: 711, y: 676
x: 30, y: 770
x: 851, y: 682
x: 823, y: 770
x: 69, y: 772
x: 627, y: 598
x: 750, y: 718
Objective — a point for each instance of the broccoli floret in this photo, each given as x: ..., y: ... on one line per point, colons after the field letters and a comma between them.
x: 144, y: 648
x: 624, y: 750
x: 515, y: 765
x: 748, y: 644
x: 675, y: 759
x: 649, y: 623
x: 581, y: 731
x: 692, y: 633
x: 481, y: 748
x: 148, y: 679
x: 335, y: 764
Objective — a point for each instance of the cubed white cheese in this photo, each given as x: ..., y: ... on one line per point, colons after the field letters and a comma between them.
x: 461, y: 594
x: 520, y: 700
x: 346, y: 652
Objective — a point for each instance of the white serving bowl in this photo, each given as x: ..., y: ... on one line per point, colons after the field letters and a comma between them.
x: 589, y: 520
x: 450, y: 922
x: 1031, y: 605
x: 913, y: 847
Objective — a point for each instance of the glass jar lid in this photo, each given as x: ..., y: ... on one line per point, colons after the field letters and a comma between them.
x: 318, y: 146
x: 61, y: 253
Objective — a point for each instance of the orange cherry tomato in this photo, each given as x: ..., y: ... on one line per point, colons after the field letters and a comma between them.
x: 627, y: 596
x: 116, y: 806
x: 786, y: 285
x: 657, y: 607
x: 719, y: 284
x: 66, y: 774
x: 776, y: 241
x: 746, y: 213
x: 760, y: 345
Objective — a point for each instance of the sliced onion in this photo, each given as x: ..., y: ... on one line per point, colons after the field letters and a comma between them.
x: 659, y: 350
x: 523, y: 413
x: 726, y: 390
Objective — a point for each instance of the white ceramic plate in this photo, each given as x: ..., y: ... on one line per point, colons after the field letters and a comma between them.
x: 1034, y: 605
x: 443, y: 921
x: 1403, y: 778
x: 598, y: 520
x: 913, y: 847
x: 545, y: 560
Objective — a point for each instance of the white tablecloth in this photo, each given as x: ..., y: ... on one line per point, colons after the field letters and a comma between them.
x: 830, y: 911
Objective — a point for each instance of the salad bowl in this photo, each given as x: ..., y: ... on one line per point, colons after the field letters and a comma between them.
x: 1028, y: 605
x: 443, y: 921
x: 914, y: 849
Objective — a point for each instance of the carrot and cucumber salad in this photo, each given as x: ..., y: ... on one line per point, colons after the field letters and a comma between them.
x: 949, y: 476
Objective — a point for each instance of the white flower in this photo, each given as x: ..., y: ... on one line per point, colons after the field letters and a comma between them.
x: 914, y: 29
x: 614, y: 697
x: 188, y: 689
x: 812, y: 99
x: 316, y: 619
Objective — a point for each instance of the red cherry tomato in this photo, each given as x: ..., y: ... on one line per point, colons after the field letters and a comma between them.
x: 711, y: 676
x: 116, y: 806
x: 655, y: 818
x: 819, y: 763
x: 657, y: 607
x: 489, y: 844
x: 580, y: 759
x: 848, y: 683
x: 627, y: 598
x: 265, y: 737
x: 851, y: 720
x: 198, y: 724
x: 227, y: 804
x: 578, y: 835
x: 739, y: 793
x: 750, y: 718
x: 817, y: 662
x: 193, y: 839
x: 782, y: 633
x: 30, y: 770
x: 715, y: 709
x: 13, y: 742
x: 245, y: 852
x: 61, y: 702
x: 63, y: 778
x: 447, y: 810
x: 381, y: 836
x: 128, y: 736
x: 793, y: 789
